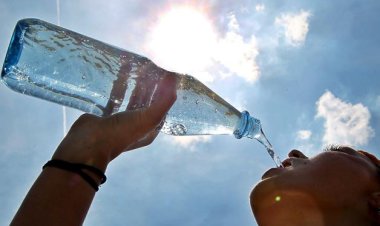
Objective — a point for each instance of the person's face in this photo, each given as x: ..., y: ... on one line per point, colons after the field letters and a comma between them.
x: 332, y: 188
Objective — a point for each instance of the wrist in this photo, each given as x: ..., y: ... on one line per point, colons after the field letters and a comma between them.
x: 90, y: 174
x: 95, y: 161
x: 88, y: 142
x: 87, y: 156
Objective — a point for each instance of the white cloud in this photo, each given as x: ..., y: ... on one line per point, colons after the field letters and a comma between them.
x: 304, y: 134
x: 188, y: 142
x: 308, y: 148
x: 233, y: 24
x: 304, y: 143
x: 239, y: 99
x: 296, y: 26
x: 345, y: 123
x: 237, y: 55
x: 185, y: 40
x: 260, y: 7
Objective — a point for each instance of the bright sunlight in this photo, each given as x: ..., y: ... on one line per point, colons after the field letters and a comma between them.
x: 182, y: 40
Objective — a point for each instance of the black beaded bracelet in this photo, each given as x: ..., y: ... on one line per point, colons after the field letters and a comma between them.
x: 78, y: 168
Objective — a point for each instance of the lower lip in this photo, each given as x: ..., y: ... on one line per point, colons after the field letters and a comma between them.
x: 272, y: 172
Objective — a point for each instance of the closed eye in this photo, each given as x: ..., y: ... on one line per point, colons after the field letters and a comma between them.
x: 332, y: 147
x: 340, y: 148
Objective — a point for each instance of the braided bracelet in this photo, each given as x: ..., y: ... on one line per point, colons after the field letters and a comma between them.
x: 78, y: 169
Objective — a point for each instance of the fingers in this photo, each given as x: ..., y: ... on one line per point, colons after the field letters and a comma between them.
x: 141, y: 94
x: 146, y: 82
x: 125, y: 128
x: 131, y: 129
x: 163, y: 98
x: 148, y: 118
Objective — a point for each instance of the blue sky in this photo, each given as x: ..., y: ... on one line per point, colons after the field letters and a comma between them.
x: 307, y: 69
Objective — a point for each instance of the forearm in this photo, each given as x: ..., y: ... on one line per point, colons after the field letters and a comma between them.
x: 57, y: 197
x: 60, y: 197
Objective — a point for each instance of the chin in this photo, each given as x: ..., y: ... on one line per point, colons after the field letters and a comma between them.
x: 260, y: 193
x: 267, y: 195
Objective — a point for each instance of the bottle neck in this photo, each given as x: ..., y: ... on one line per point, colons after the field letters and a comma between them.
x: 248, y: 126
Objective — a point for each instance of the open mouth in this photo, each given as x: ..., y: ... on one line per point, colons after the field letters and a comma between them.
x: 287, y: 163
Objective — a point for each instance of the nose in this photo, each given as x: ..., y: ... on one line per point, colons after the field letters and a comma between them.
x: 297, y: 154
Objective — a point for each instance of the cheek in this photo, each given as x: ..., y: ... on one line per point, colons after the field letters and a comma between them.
x: 313, y: 179
x: 334, y: 177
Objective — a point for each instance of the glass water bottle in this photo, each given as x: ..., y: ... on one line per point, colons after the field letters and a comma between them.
x: 62, y: 66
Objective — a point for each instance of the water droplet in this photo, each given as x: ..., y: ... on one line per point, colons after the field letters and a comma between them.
x: 178, y: 129
x: 83, y: 77
x: 216, y: 110
x: 197, y: 101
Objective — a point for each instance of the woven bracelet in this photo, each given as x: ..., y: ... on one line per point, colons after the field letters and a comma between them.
x: 78, y: 169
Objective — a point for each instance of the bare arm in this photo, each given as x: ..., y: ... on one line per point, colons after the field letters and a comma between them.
x: 60, y: 197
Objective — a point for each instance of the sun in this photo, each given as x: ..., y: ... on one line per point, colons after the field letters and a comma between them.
x: 183, y: 40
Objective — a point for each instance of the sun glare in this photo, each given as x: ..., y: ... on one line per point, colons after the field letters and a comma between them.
x: 182, y: 40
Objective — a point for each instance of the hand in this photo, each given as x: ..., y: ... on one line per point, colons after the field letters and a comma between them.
x: 96, y: 140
